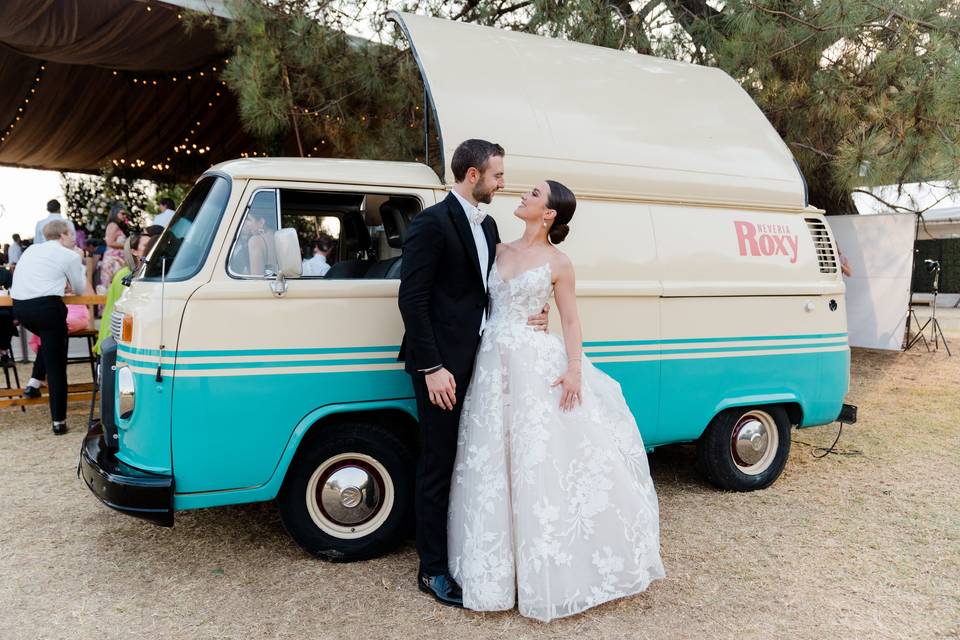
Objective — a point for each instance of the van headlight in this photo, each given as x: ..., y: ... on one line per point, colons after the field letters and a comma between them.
x: 126, y: 391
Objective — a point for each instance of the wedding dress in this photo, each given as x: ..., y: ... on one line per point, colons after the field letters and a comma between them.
x: 554, y: 510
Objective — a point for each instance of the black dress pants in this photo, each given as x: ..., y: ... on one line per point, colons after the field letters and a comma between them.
x: 47, y: 317
x: 438, y: 452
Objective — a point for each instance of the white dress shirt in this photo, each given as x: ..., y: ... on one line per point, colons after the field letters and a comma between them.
x: 483, y: 251
x: 164, y: 218
x: 38, y: 232
x: 44, y: 270
x: 15, y: 253
x: 316, y: 266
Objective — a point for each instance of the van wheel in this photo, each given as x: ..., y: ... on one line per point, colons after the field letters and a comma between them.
x: 349, y: 495
x: 745, y: 448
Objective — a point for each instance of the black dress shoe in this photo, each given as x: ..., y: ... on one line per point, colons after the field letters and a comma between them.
x: 31, y: 392
x: 59, y: 428
x: 443, y: 588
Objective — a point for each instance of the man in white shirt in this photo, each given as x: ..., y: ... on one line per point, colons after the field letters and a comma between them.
x: 167, y: 209
x: 16, y: 250
x: 318, y: 265
x: 38, y: 286
x: 53, y: 209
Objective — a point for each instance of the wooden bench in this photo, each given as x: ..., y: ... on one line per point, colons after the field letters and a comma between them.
x: 83, y: 392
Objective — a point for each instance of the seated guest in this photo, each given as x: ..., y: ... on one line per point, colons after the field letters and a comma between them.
x: 38, y: 286
x: 134, y: 249
x: 153, y: 230
x: 7, y: 327
x: 318, y: 264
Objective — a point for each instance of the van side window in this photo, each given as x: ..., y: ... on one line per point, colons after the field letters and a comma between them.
x: 348, y: 235
x: 253, y: 253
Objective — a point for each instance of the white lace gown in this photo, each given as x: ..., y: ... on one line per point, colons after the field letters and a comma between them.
x: 553, y: 511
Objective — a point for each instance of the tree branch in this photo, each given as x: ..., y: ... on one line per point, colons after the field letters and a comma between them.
x: 468, y: 6
x: 819, y: 152
x: 514, y: 7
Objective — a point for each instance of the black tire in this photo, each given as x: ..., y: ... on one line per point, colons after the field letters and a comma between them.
x: 353, y: 450
x: 718, y: 457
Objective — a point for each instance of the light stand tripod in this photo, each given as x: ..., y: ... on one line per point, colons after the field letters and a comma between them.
x: 936, y: 332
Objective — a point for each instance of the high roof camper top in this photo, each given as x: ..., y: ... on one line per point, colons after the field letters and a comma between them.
x: 604, y: 122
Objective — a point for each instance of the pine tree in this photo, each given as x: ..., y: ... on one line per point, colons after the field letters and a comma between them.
x: 302, y: 83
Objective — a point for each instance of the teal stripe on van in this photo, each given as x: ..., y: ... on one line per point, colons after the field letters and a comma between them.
x: 256, y: 352
x: 632, y: 343
x: 261, y: 364
x: 771, y: 347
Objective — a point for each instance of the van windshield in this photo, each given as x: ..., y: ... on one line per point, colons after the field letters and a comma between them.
x: 184, y: 245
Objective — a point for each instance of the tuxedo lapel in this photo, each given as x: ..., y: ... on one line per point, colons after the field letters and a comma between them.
x: 459, y: 219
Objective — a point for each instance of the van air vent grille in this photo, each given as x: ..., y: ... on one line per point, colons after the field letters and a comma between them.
x: 826, y: 255
x: 116, y: 325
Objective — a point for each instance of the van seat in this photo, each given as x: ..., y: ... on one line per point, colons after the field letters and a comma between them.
x: 350, y: 269
x: 356, y: 240
x: 395, y: 228
x: 388, y: 269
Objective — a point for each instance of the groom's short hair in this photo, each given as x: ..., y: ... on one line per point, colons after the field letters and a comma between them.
x: 473, y: 153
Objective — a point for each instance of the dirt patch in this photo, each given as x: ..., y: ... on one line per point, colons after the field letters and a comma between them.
x: 862, y: 544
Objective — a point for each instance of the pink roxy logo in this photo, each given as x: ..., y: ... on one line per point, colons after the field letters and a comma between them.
x: 766, y: 240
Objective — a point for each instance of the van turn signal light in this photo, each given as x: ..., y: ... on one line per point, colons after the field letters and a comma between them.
x: 126, y: 334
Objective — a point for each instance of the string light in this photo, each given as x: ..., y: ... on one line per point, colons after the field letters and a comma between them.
x: 188, y: 147
x: 22, y: 109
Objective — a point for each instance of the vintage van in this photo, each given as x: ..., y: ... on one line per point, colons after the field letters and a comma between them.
x: 707, y: 287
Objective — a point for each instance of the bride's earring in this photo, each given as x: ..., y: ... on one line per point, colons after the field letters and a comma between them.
x: 544, y: 223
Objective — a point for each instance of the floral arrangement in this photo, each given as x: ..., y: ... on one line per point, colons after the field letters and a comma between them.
x: 89, y: 198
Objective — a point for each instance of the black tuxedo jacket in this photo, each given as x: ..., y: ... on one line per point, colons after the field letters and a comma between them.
x: 442, y: 295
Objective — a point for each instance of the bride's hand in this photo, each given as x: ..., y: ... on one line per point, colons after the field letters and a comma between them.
x: 570, y: 387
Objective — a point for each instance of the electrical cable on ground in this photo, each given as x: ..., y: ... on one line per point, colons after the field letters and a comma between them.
x: 831, y: 448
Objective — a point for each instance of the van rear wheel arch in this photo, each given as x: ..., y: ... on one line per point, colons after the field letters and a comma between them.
x: 348, y: 493
x: 745, y: 448
x: 397, y: 421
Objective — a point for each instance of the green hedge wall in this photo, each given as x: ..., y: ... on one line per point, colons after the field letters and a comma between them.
x: 948, y: 253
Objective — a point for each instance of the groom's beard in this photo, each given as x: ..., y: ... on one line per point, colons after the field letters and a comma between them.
x: 481, y: 195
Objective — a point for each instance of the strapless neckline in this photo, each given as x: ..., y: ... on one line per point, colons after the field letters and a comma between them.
x: 518, y: 275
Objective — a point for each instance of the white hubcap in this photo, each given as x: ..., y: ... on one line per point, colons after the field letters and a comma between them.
x: 350, y: 495
x: 754, y: 442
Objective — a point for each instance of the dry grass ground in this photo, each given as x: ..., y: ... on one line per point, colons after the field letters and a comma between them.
x: 864, y: 545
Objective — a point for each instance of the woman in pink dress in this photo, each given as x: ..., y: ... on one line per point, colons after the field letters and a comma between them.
x: 114, y: 237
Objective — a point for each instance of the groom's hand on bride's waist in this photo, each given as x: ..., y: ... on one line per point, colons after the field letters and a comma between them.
x: 540, y: 321
x: 442, y: 389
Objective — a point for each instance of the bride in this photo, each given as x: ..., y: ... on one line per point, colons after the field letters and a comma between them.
x: 551, y: 505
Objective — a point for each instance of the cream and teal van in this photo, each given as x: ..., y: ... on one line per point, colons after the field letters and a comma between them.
x: 707, y: 287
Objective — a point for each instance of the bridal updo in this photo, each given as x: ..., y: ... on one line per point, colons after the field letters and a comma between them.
x: 561, y: 200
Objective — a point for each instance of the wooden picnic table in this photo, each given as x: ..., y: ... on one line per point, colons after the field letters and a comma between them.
x: 7, y: 301
x: 83, y: 392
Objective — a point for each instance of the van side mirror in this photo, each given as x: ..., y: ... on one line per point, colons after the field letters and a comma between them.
x: 287, y: 247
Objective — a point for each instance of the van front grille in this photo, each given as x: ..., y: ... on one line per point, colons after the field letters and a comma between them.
x: 116, y: 325
x: 826, y: 254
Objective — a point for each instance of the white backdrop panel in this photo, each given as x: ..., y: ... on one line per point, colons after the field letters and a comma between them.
x: 879, y: 249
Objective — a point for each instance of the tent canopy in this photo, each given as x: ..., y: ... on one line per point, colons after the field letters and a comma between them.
x: 86, y: 83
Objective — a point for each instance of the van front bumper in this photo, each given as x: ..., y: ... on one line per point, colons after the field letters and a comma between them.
x: 119, y: 486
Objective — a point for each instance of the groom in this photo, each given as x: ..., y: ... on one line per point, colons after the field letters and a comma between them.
x: 447, y: 256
